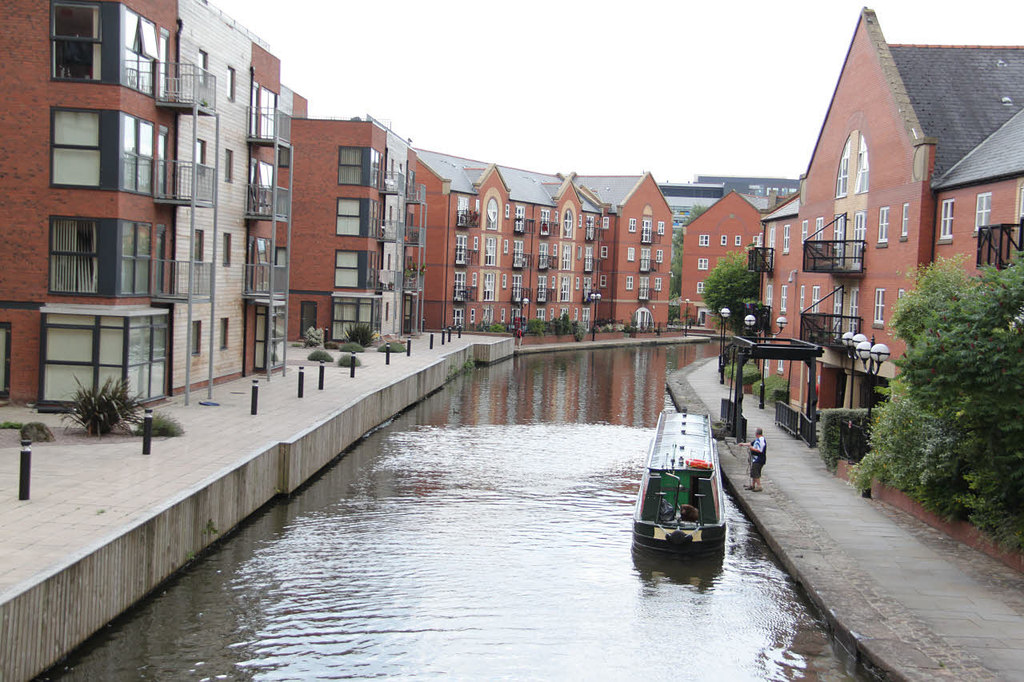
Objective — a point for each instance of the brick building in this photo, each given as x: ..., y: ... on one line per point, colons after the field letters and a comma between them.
x: 919, y: 149
x: 504, y: 243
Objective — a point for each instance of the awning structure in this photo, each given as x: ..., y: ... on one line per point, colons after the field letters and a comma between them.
x: 759, y: 348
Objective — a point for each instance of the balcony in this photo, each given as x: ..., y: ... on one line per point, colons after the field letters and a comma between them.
x: 415, y: 193
x: 174, y: 183
x: 643, y: 294
x: 647, y: 236
x: 386, y: 280
x: 646, y: 265
x: 523, y: 225
x: 761, y: 259
x: 414, y: 235
x: 591, y: 233
x: 462, y: 294
x: 257, y: 280
x: 391, y: 231
x: 412, y: 281
x: 997, y: 244
x: 826, y: 329
x: 546, y: 227
x: 268, y: 125
x: 170, y: 280
x: 545, y: 295
x: 588, y: 264
x: 186, y: 86
x: 464, y: 257
x: 393, y: 182
x: 836, y: 256
x: 521, y: 261
x: 543, y: 261
x: 467, y: 219
x: 259, y: 203
x: 519, y: 293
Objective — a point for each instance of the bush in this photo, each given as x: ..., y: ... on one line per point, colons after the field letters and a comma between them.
x: 164, y: 426
x: 536, y: 327
x: 497, y: 327
x: 331, y: 345
x: 320, y: 356
x: 346, y: 361
x: 828, y: 431
x: 37, y: 432
x: 109, y: 408
x: 351, y: 347
x: 361, y: 333
x: 751, y: 373
x: 776, y: 389
x: 396, y: 347
x: 313, y: 337
x: 11, y: 425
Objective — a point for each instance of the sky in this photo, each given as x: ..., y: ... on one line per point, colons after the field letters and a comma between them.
x: 677, y: 88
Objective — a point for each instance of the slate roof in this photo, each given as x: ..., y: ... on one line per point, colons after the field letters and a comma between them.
x: 1000, y: 155
x: 613, y: 189
x: 790, y: 209
x: 454, y: 168
x: 958, y: 93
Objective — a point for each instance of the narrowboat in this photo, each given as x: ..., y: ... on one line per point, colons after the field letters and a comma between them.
x: 680, y: 508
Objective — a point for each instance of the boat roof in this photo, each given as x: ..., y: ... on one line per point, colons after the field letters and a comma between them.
x: 680, y: 437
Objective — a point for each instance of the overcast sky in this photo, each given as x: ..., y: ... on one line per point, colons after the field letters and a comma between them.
x: 678, y: 88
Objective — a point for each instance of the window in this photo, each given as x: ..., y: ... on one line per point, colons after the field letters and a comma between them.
x: 702, y: 263
x: 659, y: 256
x: 854, y: 302
x: 76, y: 41
x: 604, y: 281
x: 489, y: 280
x: 508, y: 210
x: 785, y: 239
x: 757, y: 240
x: 631, y: 254
x: 815, y: 297
x: 472, y: 315
x: 349, y: 311
x: 700, y: 287
x: 883, y: 225
x: 223, y: 333
x: 73, y: 259
x: 231, y: 80
x: 783, y: 296
x: 802, y: 298
x: 983, y: 211
x: 226, y: 248
x: 199, y: 246
x: 704, y: 240
x: 577, y: 283
x: 76, y: 148
x: 563, y: 289
x: 768, y: 295
x: 350, y: 166
x: 879, y: 306
x: 567, y: 224
x: 346, y: 269
x: 739, y: 240
x: 819, y: 225
x: 860, y: 227
x: 473, y: 280
x: 725, y: 240
x: 604, y: 252
x: 490, y: 251
x: 843, y: 176
x: 566, y: 257
x: 504, y: 280
x: 803, y: 231
x: 629, y: 282
x: 862, y: 167
x: 136, y: 154
x: 135, y: 258
x: 197, y: 337
x: 661, y: 227
x: 946, y: 226
x: 899, y: 293
x: 504, y: 247
x: 632, y: 224
x: 140, y: 52
x: 657, y: 283
x: 771, y: 237
x: 905, y: 226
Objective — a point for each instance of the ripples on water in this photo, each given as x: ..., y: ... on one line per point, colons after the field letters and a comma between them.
x: 450, y: 546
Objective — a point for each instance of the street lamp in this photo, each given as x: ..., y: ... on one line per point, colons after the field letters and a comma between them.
x: 872, y: 355
x: 850, y: 343
x: 749, y: 321
x: 723, y: 315
x: 593, y: 297
x: 524, y: 311
x: 686, y: 318
x: 781, y: 321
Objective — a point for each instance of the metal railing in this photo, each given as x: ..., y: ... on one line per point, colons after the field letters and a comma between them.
x: 391, y: 231
x: 257, y: 279
x: 260, y: 199
x: 844, y: 256
x: 467, y: 219
x: 544, y: 295
x: 521, y: 261
x: 462, y: 294
x: 415, y: 193
x: 643, y: 295
x: 545, y: 227
x: 267, y: 124
x: 795, y: 423
x: 997, y: 244
x: 170, y: 279
x: 645, y: 265
x: 519, y: 293
x: 827, y: 329
x: 588, y: 264
x: 591, y: 233
x: 414, y: 235
x: 522, y: 225
x: 174, y: 182
x: 186, y: 85
x: 394, y: 182
x: 761, y: 259
x: 466, y: 256
x: 543, y: 261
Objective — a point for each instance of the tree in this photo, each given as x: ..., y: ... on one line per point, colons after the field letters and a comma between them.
x: 934, y: 285
x: 730, y: 285
x: 676, y: 278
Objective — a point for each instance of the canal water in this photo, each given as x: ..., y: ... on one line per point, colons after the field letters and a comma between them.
x: 483, y: 534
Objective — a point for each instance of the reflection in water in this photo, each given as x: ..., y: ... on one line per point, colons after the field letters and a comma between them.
x: 484, y: 534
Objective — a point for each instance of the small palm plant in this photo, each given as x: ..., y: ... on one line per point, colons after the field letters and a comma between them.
x: 108, y: 408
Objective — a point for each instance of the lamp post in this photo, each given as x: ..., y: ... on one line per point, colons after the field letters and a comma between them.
x: 781, y: 321
x: 593, y: 297
x: 872, y: 355
x: 723, y: 315
x: 686, y: 318
x: 850, y: 343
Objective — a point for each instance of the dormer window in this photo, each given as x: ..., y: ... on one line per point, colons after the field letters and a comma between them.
x: 843, y: 177
x: 862, y: 167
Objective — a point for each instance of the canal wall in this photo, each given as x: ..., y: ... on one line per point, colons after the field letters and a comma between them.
x: 43, y: 621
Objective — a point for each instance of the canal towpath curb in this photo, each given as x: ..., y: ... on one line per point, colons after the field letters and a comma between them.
x: 909, y: 602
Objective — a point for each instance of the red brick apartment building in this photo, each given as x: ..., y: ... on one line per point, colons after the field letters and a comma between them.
x: 921, y: 147
x: 146, y: 185
x: 503, y: 243
x: 732, y: 224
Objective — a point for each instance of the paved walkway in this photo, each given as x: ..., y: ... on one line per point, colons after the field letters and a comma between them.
x: 909, y: 599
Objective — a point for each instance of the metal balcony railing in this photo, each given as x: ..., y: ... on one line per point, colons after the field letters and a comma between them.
x: 645, y: 265
x: 643, y: 294
x: 588, y: 264
x: 465, y: 257
x: 174, y: 182
x: 394, y: 182
x: 386, y: 280
x: 519, y: 293
x: 545, y: 294
x: 415, y: 193
x: 761, y: 259
x: 827, y: 329
x: 462, y: 294
x: 467, y: 219
x: 997, y: 244
x: 412, y: 281
x: 414, y: 235
x: 523, y: 225
x: 391, y: 231
x: 259, y: 203
x: 591, y: 233
x: 646, y: 236
x: 521, y: 261
x: 839, y: 256
x: 543, y: 261
x: 170, y: 279
x: 268, y: 125
x: 186, y: 85
x: 546, y: 227
x: 257, y: 279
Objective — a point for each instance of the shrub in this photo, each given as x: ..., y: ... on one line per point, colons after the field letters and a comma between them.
x: 776, y: 389
x: 346, y: 361
x: 331, y: 345
x: 10, y: 425
x: 37, y: 432
x: 164, y: 426
x: 361, y: 333
x: 497, y: 327
x: 313, y: 337
x: 109, y: 408
x: 828, y: 430
x: 536, y: 327
x: 320, y: 356
x: 351, y: 347
x: 396, y: 347
x: 751, y: 373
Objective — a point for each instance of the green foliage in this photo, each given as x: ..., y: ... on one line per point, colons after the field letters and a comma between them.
x: 359, y: 332
x: 396, y: 347
x: 828, y: 433
x: 536, y: 327
x: 351, y: 347
x: 496, y: 328
x: 331, y: 345
x: 10, y: 425
x: 164, y: 426
x: 313, y: 337
x: 934, y: 285
x: 776, y: 389
x: 751, y: 373
x: 346, y: 360
x: 111, y: 407
x: 320, y: 356
x: 730, y: 285
x: 37, y: 432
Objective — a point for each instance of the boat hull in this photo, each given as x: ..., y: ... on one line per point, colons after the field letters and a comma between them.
x: 679, y: 541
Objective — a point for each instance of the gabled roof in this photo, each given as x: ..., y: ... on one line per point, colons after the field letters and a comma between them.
x: 453, y: 168
x: 789, y: 209
x: 960, y: 93
x: 1000, y: 155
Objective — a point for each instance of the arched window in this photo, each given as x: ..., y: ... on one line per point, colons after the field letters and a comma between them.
x: 862, y: 167
x: 567, y: 223
x: 492, y: 214
x: 843, y: 177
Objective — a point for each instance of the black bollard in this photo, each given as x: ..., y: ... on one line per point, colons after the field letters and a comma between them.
x: 254, y: 401
x: 460, y: 331
x: 408, y: 348
x: 387, y: 353
x: 431, y: 340
x: 302, y: 380
x: 147, y: 432
x: 449, y: 334
x: 442, y: 337
x: 26, y: 469
x: 352, y: 365
x: 320, y: 381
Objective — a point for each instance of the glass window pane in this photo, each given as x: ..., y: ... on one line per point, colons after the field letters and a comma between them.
x: 156, y: 379
x: 114, y: 373
x: 77, y: 128
x: 351, y: 155
x: 130, y: 134
x: 69, y: 345
x: 138, y: 345
x: 59, y: 381
x: 76, y: 167
x: 111, y: 341
x: 76, y: 21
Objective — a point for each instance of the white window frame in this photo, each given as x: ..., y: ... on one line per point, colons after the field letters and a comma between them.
x: 632, y: 224
x: 863, y: 173
x: 700, y: 287
x: 803, y: 231
x: 771, y: 237
x: 725, y: 240
x: 490, y: 251
x: 854, y: 302
x: 843, y: 173
x: 705, y: 239
x: 702, y: 263
x: 815, y: 294
x: 983, y: 210
x: 629, y: 282
x: 946, y: 223
x: 631, y: 254
x: 783, y: 297
x: 785, y: 238
x: 883, y: 225
x: 905, y: 225
x: 879, y: 306
x: 768, y: 294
